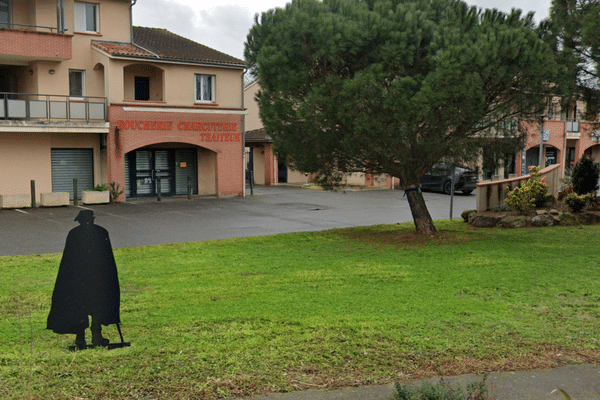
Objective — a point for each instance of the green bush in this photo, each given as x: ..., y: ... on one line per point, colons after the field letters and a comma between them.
x: 576, y: 202
x: 100, y: 188
x: 538, y: 186
x: 534, y: 193
x: 115, y: 191
x: 585, y: 176
x: 520, y: 199
x: 441, y: 391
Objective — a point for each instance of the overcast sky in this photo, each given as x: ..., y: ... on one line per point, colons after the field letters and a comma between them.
x: 224, y: 24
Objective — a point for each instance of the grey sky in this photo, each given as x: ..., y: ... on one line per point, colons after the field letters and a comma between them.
x: 224, y: 24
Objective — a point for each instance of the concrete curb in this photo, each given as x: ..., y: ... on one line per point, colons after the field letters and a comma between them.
x: 581, y: 382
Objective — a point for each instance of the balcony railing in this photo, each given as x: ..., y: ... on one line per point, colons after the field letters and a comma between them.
x: 49, y: 107
x: 27, y: 27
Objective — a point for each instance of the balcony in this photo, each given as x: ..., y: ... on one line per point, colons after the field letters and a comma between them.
x: 22, y: 44
x: 42, y: 107
x: 572, y: 129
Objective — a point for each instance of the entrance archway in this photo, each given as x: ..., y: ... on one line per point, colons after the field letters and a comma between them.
x: 551, y: 156
x: 173, y: 169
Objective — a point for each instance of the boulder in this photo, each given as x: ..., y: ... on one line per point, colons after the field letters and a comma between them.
x: 543, y: 220
x: 588, y: 218
x: 483, y: 221
x: 567, y: 219
x: 465, y: 214
x: 509, y: 221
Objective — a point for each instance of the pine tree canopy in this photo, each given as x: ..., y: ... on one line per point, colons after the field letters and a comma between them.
x: 392, y: 86
x: 576, y: 25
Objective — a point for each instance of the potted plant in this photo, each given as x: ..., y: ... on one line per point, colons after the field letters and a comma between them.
x: 98, y: 195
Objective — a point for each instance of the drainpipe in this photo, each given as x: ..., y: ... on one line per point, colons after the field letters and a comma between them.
x: 243, y: 138
x: 60, y: 16
x: 58, y: 26
x: 131, y: 20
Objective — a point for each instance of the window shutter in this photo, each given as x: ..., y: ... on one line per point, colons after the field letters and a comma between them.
x: 79, y: 17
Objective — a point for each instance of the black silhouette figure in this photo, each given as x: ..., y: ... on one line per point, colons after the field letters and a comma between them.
x: 87, y: 284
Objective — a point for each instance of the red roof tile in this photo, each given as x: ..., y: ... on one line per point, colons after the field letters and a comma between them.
x: 122, y: 49
x: 159, y: 43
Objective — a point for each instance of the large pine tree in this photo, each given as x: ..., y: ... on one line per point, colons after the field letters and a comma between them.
x: 392, y: 86
x: 576, y: 24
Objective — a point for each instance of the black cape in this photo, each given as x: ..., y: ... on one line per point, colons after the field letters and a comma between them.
x: 87, y: 282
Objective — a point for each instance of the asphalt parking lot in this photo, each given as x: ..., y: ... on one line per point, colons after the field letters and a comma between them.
x: 271, y: 210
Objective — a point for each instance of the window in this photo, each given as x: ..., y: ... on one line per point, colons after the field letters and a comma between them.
x: 569, y: 112
x: 142, y: 88
x: 552, y: 111
x: 76, y: 83
x: 86, y: 17
x: 5, y: 13
x: 205, y: 88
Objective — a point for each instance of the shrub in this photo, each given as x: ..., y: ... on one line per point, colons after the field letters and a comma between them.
x: 538, y: 187
x: 441, y: 391
x: 585, y: 176
x: 534, y: 193
x: 115, y: 191
x: 567, y: 186
x: 576, y: 202
x: 100, y: 188
x: 520, y: 199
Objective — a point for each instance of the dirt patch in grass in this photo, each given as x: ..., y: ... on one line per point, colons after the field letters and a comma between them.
x: 546, y: 357
x: 423, y: 367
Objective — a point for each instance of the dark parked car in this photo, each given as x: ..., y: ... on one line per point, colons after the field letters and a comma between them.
x: 440, y: 179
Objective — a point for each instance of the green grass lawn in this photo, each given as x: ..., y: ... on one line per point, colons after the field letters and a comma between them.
x: 229, y: 318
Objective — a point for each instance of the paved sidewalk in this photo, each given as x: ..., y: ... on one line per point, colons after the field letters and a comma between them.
x: 580, y: 382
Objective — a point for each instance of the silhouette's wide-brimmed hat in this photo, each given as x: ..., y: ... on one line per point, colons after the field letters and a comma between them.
x: 85, y: 216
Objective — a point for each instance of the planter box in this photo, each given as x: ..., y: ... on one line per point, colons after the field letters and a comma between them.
x: 54, y: 199
x: 94, y: 197
x: 15, y: 201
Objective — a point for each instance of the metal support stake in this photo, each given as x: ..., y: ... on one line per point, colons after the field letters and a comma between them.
x: 452, y: 192
x: 75, y: 200
x: 33, y: 194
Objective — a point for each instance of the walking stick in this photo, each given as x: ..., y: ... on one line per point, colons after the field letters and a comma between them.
x: 118, y: 345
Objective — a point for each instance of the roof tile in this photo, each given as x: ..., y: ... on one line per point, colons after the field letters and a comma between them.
x: 153, y: 42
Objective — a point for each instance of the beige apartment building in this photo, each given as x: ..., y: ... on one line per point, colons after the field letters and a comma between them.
x: 562, y: 137
x: 85, y: 95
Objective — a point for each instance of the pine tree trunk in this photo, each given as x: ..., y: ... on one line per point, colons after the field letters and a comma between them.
x: 421, y: 217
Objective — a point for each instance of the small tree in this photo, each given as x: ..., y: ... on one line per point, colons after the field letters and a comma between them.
x: 585, y: 176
